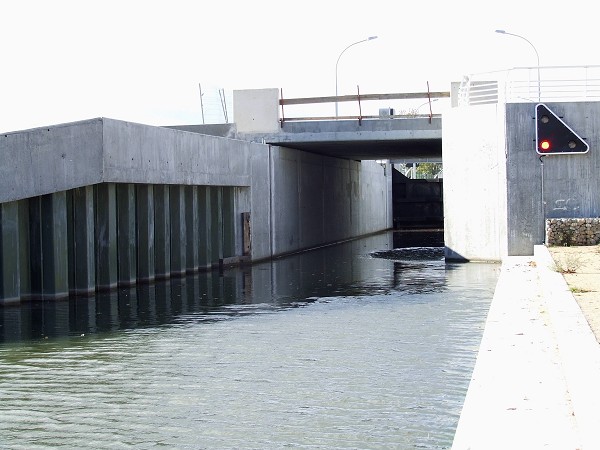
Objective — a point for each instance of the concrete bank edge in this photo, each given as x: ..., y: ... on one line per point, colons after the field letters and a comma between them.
x: 578, y: 348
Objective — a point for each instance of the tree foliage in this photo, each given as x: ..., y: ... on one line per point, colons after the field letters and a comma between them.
x: 429, y: 170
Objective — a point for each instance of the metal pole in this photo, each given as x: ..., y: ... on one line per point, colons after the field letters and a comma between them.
x: 536, y: 54
x: 543, y: 203
x: 201, y: 104
x: 336, y: 68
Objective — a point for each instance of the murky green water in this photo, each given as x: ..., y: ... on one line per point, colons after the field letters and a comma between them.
x: 335, y: 348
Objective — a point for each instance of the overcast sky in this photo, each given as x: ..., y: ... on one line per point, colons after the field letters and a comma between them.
x: 142, y: 61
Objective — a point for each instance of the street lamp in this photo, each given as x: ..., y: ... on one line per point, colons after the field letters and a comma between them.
x: 536, y: 54
x: 370, y: 38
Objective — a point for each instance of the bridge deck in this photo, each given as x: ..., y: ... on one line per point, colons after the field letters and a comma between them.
x: 367, y: 139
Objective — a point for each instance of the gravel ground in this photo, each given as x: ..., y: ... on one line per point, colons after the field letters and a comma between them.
x: 580, y: 266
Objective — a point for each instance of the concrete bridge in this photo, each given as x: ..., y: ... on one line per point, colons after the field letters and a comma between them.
x: 385, y: 136
x: 92, y: 205
x: 376, y: 138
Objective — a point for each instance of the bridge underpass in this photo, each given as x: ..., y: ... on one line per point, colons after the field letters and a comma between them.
x: 406, y: 140
x: 397, y: 139
x: 68, y: 183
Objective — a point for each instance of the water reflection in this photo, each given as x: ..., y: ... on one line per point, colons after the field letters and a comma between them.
x: 418, y: 238
x: 139, y: 306
x: 372, y: 348
x: 210, y: 295
x: 343, y: 270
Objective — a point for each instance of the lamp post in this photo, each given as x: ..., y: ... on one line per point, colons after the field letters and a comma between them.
x: 536, y: 54
x: 370, y: 38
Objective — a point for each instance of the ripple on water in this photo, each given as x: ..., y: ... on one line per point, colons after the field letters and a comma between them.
x: 380, y: 362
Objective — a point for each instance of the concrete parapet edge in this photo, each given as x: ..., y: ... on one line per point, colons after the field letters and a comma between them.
x: 579, y: 350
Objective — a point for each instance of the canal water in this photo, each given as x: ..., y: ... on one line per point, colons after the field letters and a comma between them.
x: 369, y: 344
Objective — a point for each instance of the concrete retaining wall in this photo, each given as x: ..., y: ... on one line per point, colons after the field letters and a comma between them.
x: 573, y: 231
x: 318, y: 199
x: 499, y: 191
x: 100, y: 203
x: 556, y: 186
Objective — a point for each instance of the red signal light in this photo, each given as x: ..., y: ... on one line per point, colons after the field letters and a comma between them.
x: 553, y: 136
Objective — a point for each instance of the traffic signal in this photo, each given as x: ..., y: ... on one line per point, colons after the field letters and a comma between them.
x: 553, y: 136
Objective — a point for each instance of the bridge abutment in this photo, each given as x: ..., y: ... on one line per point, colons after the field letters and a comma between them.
x: 128, y: 204
x: 498, y: 191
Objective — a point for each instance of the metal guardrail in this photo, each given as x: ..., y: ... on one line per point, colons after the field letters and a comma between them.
x: 521, y: 84
x: 359, y: 98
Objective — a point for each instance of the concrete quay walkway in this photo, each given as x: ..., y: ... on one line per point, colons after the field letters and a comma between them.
x: 536, y: 382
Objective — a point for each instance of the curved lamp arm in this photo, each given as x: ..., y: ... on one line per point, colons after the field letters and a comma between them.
x: 370, y: 38
x: 536, y: 54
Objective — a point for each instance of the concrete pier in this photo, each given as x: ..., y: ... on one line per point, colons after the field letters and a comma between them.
x: 162, y: 232
x: 204, y: 228
x: 81, y: 249
x: 192, y: 228
x: 145, y: 232
x: 178, y: 230
x: 54, y: 247
x: 216, y: 237
x: 10, y: 288
x: 126, y: 235
x: 96, y: 238
x: 106, y: 236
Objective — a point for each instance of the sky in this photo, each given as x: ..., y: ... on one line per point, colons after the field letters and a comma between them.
x: 143, y: 61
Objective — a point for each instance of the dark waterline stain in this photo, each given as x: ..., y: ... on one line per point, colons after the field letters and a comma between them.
x: 284, y: 283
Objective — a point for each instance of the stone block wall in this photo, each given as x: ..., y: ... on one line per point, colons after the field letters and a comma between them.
x: 578, y: 231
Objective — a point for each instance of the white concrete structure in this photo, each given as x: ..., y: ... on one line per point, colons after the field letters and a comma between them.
x: 498, y: 191
x: 255, y: 110
x: 475, y: 201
